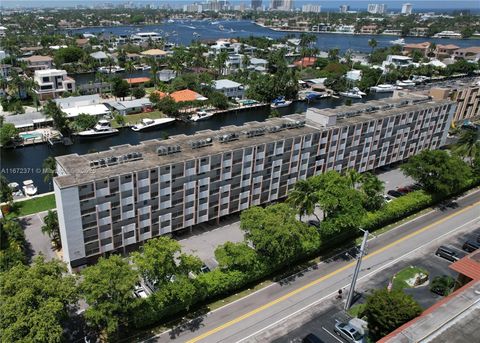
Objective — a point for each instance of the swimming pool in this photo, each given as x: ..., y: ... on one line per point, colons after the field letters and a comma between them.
x: 31, y: 135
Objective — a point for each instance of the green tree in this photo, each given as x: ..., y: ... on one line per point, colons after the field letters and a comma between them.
x: 71, y: 54
x: 138, y: 92
x: 52, y: 228
x: 35, y: 302
x: 12, y: 244
x: 8, y: 132
x: 386, y: 311
x: 84, y: 122
x: 373, y: 189
x: 49, y: 168
x: 120, y: 119
x: 120, y: 88
x: 372, y: 43
x: 276, y: 235
x: 108, y: 290
x: 168, y: 106
x: 468, y: 144
x: 218, y: 100
x: 333, y: 54
x: 219, y: 62
x: 5, y: 190
x: 236, y: 256
x: 59, y: 118
x: 437, y: 171
x: 303, y: 198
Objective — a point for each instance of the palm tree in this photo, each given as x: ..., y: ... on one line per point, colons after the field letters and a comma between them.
x: 219, y: 62
x: 372, y: 187
x: 373, y: 44
x: 468, y: 145
x: 51, y: 228
x: 49, y: 167
x: 304, y: 198
x: 129, y: 68
x: 354, y: 177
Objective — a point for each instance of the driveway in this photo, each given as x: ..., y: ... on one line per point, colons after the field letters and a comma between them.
x: 38, y: 243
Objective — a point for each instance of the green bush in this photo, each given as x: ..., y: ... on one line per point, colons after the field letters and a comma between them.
x: 442, y: 285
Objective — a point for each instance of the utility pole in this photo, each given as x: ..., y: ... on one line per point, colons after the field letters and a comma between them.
x: 357, y: 270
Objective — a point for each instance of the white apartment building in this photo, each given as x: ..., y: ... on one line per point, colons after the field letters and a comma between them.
x: 377, y: 8
x: 52, y: 83
x: 407, y: 8
x: 115, y: 200
x: 344, y: 8
x: 309, y: 8
x: 398, y: 61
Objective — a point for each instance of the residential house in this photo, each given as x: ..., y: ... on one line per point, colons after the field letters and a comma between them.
x: 100, y: 56
x: 229, y: 88
x: 445, y: 51
x: 423, y: 48
x: 156, y: 54
x: 52, y: 83
x: 369, y: 29
x: 471, y: 53
x: 166, y: 75
x: 82, y: 42
x: 183, y: 95
x: 86, y: 104
x: 38, y: 62
x: 137, y: 81
x: 130, y: 106
x: 305, y: 62
x: 258, y: 64
x: 133, y: 57
x: 399, y: 61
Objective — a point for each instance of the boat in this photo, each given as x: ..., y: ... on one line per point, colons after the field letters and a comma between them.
x: 280, y: 102
x: 112, y: 70
x: 406, y: 83
x: 201, y: 115
x: 312, y: 96
x: 143, y: 67
x: 353, y: 93
x: 384, y: 88
x: 147, y: 124
x: 221, y: 27
x: 29, y: 188
x: 400, y: 41
x: 103, y: 128
x: 196, y: 34
x: 170, y: 21
x: 215, y: 22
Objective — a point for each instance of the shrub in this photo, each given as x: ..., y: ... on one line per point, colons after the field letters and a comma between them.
x: 442, y: 285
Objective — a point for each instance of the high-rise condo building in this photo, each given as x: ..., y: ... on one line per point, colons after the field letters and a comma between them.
x: 256, y: 4
x: 309, y: 8
x: 377, y: 8
x: 407, y: 9
x: 344, y: 8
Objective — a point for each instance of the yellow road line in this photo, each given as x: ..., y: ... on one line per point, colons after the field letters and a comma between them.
x: 328, y: 276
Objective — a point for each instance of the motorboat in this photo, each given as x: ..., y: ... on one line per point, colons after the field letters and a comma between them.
x: 170, y: 21
x: 111, y: 70
x: 201, y: 115
x: 312, y: 95
x: 103, y: 128
x: 406, y: 83
x: 215, y: 22
x: 143, y: 67
x: 29, y: 188
x: 400, y: 41
x: 384, y: 88
x: 221, y: 27
x: 280, y: 102
x: 147, y: 123
x: 354, y: 93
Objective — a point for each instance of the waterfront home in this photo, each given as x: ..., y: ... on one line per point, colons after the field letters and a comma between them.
x: 305, y: 62
x: 229, y: 88
x: 222, y: 45
x: 369, y: 29
x: 418, y: 31
x: 166, y: 75
x: 82, y: 42
x: 130, y: 106
x: 399, y: 61
x: 258, y: 64
x: 86, y: 104
x: 354, y: 75
x: 183, y: 95
x: 28, y: 121
x: 29, y: 50
x: 137, y: 81
x: 445, y: 51
x: 38, y: 62
x: 100, y: 56
x: 52, y: 83
x: 133, y: 57
x: 448, y: 34
x: 144, y: 37
x: 421, y: 47
x: 156, y: 54
x: 471, y: 53
x: 233, y: 63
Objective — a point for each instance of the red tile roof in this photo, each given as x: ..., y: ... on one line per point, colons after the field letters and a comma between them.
x: 183, y: 95
x: 305, y: 62
x: 137, y: 80
x: 468, y: 266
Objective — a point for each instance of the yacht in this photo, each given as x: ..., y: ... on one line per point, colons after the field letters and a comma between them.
x: 143, y: 67
x: 29, y: 188
x: 406, y: 83
x: 103, y: 128
x: 112, y: 70
x: 147, y: 123
x: 201, y: 115
x: 400, y: 41
x: 384, y: 88
x: 221, y: 28
x: 353, y: 93
x: 170, y: 21
x: 280, y: 102
x: 215, y: 22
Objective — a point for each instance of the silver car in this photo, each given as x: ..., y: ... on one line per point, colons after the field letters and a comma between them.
x: 348, y: 332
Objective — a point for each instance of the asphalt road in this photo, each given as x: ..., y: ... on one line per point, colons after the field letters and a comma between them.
x: 250, y: 318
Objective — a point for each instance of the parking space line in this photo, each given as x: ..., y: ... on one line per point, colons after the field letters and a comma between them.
x: 331, y: 334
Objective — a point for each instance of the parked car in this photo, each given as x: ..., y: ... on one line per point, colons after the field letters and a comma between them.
x: 311, y: 338
x: 447, y: 253
x: 470, y: 246
x: 348, y: 332
x: 393, y: 193
x: 313, y: 222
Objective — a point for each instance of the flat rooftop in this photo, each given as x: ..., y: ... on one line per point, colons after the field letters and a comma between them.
x: 79, y: 170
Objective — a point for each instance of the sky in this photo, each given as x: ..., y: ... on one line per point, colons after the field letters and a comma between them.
x: 330, y: 4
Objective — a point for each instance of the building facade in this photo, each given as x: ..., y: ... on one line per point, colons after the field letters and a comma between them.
x: 407, y: 9
x: 52, y: 83
x: 115, y: 200
x: 256, y: 4
x: 377, y: 8
x: 309, y: 8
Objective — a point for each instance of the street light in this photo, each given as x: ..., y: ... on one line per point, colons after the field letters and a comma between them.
x: 357, y: 269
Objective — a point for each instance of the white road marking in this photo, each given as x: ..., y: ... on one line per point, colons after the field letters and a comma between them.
x: 331, y: 334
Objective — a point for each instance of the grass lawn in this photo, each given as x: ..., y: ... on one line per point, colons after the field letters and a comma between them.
x: 23, y: 208
x: 400, y: 279
x: 131, y: 119
x: 355, y: 311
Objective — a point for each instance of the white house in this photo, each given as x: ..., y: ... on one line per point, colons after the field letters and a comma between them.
x: 399, y: 61
x: 258, y: 64
x: 130, y: 106
x: 166, y: 75
x: 100, y: 56
x: 229, y: 88
x: 87, y: 104
x: 52, y: 83
x: 354, y: 75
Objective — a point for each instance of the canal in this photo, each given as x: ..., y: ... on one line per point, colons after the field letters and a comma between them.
x: 24, y: 163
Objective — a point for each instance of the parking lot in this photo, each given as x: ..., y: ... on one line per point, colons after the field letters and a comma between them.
x: 321, y: 319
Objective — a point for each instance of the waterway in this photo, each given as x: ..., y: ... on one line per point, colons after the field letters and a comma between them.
x: 25, y: 163
x: 181, y: 32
